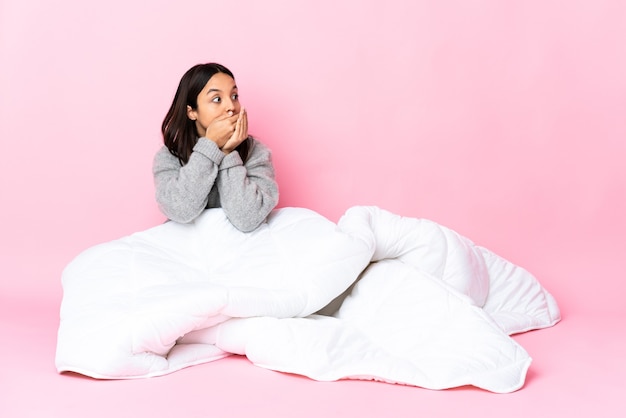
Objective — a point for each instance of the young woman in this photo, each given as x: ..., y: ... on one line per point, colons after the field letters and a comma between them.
x: 208, y: 159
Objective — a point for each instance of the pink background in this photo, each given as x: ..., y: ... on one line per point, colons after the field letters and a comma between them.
x: 504, y: 120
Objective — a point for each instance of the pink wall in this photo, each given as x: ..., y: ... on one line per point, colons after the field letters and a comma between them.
x: 503, y: 120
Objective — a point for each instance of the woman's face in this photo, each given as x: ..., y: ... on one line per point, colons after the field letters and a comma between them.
x: 218, y: 99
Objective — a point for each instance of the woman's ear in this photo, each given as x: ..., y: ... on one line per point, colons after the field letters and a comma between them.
x: 191, y: 114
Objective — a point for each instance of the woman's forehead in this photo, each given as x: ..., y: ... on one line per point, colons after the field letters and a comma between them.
x: 220, y: 81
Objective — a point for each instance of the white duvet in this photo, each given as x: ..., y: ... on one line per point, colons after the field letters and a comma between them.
x: 377, y: 296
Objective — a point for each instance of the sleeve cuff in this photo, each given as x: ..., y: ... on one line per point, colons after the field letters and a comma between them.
x: 209, y: 149
x: 231, y: 160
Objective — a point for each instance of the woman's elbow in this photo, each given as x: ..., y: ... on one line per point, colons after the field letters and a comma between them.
x: 176, y: 213
x: 252, y: 221
x: 248, y: 223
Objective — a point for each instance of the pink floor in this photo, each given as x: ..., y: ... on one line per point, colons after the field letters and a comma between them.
x: 577, y: 371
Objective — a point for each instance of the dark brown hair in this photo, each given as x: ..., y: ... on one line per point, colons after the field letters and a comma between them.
x: 179, y: 132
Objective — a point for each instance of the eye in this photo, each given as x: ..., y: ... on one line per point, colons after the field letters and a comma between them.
x: 235, y: 97
x: 216, y: 99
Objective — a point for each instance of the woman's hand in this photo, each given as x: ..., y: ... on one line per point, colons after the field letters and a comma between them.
x: 239, y: 132
x: 221, y: 130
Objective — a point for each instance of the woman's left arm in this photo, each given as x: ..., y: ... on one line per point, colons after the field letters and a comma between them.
x: 248, y: 192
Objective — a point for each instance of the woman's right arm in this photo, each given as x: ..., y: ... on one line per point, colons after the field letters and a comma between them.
x: 182, y: 192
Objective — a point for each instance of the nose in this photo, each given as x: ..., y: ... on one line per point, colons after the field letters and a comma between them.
x: 230, y: 107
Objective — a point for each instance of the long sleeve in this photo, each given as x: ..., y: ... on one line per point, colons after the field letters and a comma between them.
x: 247, y: 192
x: 182, y: 193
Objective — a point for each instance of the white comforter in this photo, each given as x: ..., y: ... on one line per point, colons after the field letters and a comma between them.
x: 376, y: 296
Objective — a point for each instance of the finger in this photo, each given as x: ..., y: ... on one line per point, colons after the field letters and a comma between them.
x: 244, y: 123
x: 244, y: 128
x: 228, y: 117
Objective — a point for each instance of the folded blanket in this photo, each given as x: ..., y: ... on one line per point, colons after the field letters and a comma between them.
x: 376, y: 296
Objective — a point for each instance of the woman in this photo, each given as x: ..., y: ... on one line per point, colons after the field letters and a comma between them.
x: 209, y: 160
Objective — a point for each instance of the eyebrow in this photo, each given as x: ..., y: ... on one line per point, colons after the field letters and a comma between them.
x: 218, y: 90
